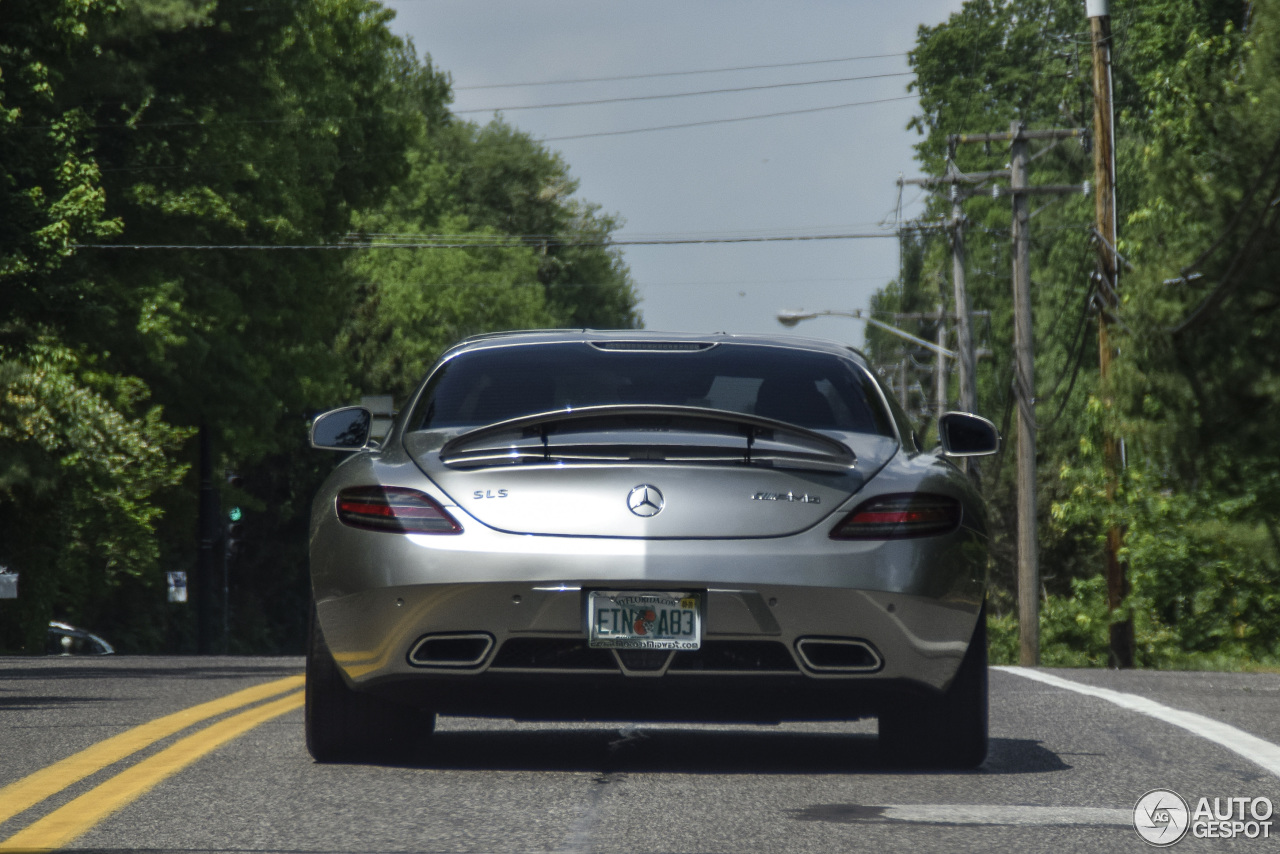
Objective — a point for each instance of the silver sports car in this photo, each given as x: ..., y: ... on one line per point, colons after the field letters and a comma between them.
x: 632, y: 526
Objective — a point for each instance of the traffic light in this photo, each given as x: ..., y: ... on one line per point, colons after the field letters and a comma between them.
x: 233, y: 527
x: 233, y: 533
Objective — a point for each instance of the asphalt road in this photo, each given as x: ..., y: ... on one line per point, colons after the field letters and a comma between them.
x: 1064, y: 772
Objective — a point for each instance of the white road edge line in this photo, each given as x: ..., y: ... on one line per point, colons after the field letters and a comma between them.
x: 1256, y: 750
x: 1006, y: 816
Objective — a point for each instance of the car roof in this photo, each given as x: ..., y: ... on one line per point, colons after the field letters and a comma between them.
x: 587, y: 336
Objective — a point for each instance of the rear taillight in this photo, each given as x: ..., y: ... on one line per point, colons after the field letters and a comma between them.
x: 893, y: 517
x: 395, y: 509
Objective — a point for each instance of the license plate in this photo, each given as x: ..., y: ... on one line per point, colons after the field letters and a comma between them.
x: 641, y: 619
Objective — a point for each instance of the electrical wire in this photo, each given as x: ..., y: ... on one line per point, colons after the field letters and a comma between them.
x: 231, y: 164
x: 673, y: 73
x: 509, y: 244
x: 992, y: 476
x: 1078, y: 349
x: 726, y: 121
x: 682, y: 94
x: 298, y: 120
x: 588, y: 235
x: 1227, y: 283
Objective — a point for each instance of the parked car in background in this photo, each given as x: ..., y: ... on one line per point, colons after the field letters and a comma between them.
x: 63, y: 639
x: 637, y: 526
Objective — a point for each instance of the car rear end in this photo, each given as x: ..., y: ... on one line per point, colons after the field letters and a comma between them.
x: 610, y: 526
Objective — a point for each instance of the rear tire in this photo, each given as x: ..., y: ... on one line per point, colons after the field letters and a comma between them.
x: 344, y: 725
x: 948, y: 731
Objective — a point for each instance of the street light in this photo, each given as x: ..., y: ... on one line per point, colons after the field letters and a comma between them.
x: 789, y: 317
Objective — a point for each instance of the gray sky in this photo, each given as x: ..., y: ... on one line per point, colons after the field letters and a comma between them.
x: 832, y: 171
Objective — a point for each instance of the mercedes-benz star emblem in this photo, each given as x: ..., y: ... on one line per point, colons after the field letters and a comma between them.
x: 645, y: 500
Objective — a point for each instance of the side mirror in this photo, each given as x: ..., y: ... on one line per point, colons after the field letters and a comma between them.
x: 962, y: 434
x: 345, y: 429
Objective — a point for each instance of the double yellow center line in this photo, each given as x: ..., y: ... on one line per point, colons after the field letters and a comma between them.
x: 79, y: 815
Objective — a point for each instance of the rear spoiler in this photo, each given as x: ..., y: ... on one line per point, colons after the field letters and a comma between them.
x: 628, y: 433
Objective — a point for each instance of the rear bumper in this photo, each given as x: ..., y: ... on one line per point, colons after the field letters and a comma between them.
x: 913, y: 602
x: 530, y: 647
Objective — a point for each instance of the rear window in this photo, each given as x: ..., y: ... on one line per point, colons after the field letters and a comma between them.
x: 815, y: 390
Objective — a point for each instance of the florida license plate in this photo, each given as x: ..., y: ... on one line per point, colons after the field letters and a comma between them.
x: 636, y: 619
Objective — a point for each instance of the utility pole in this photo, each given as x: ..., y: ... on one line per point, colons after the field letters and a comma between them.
x: 1024, y: 383
x: 940, y: 368
x: 1024, y: 371
x: 1104, y: 169
x: 964, y: 335
x: 966, y: 366
x: 207, y: 524
x: 902, y: 382
x: 965, y: 361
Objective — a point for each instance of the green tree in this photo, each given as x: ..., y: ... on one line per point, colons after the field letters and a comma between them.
x: 1196, y: 126
x: 83, y: 454
x: 50, y: 193
x: 176, y: 122
x: 990, y: 64
x: 521, y: 252
x: 239, y: 126
x: 168, y: 170
x: 79, y: 479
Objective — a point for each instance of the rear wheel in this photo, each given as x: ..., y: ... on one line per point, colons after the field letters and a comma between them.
x: 346, y: 725
x: 948, y: 731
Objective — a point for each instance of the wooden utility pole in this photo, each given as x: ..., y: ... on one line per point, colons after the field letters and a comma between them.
x: 964, y: 335
x: 966, y: 359
x: 940, y: 367
x: 1104, y: 169
x: 1024, y: 372
x: 1024, y: 385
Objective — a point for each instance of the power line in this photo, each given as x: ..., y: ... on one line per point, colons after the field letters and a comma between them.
x: 1076, y: 354
x: 595, y: 235
x: 294, y: 120
x: 226, y: 165
x: 673, y: 73
x: 636, y: 284
x: 509, y: 244
x: 1242, y: 257
x: 727, y: 121
x: 684, y: 94
x: 545, y: 139
x: 788, y: 282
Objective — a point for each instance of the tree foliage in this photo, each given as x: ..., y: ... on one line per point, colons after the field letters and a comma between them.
x: 1193, y: 388
x: 132, y: 134
x: 514, y: 259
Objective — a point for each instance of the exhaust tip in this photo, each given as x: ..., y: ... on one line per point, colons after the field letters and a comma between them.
x: 451, y: 650
x: 839, y: 655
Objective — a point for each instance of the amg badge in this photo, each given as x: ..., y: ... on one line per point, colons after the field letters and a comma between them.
x: 791, y: 497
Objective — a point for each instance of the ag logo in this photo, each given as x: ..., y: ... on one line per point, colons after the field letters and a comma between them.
x: 645, y: 500
x: 1161, y: 817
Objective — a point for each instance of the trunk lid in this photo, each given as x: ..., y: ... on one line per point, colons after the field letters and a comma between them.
x: 648, y: 472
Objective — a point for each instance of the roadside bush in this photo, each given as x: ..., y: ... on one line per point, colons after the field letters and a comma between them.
x: 1203, y: 572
